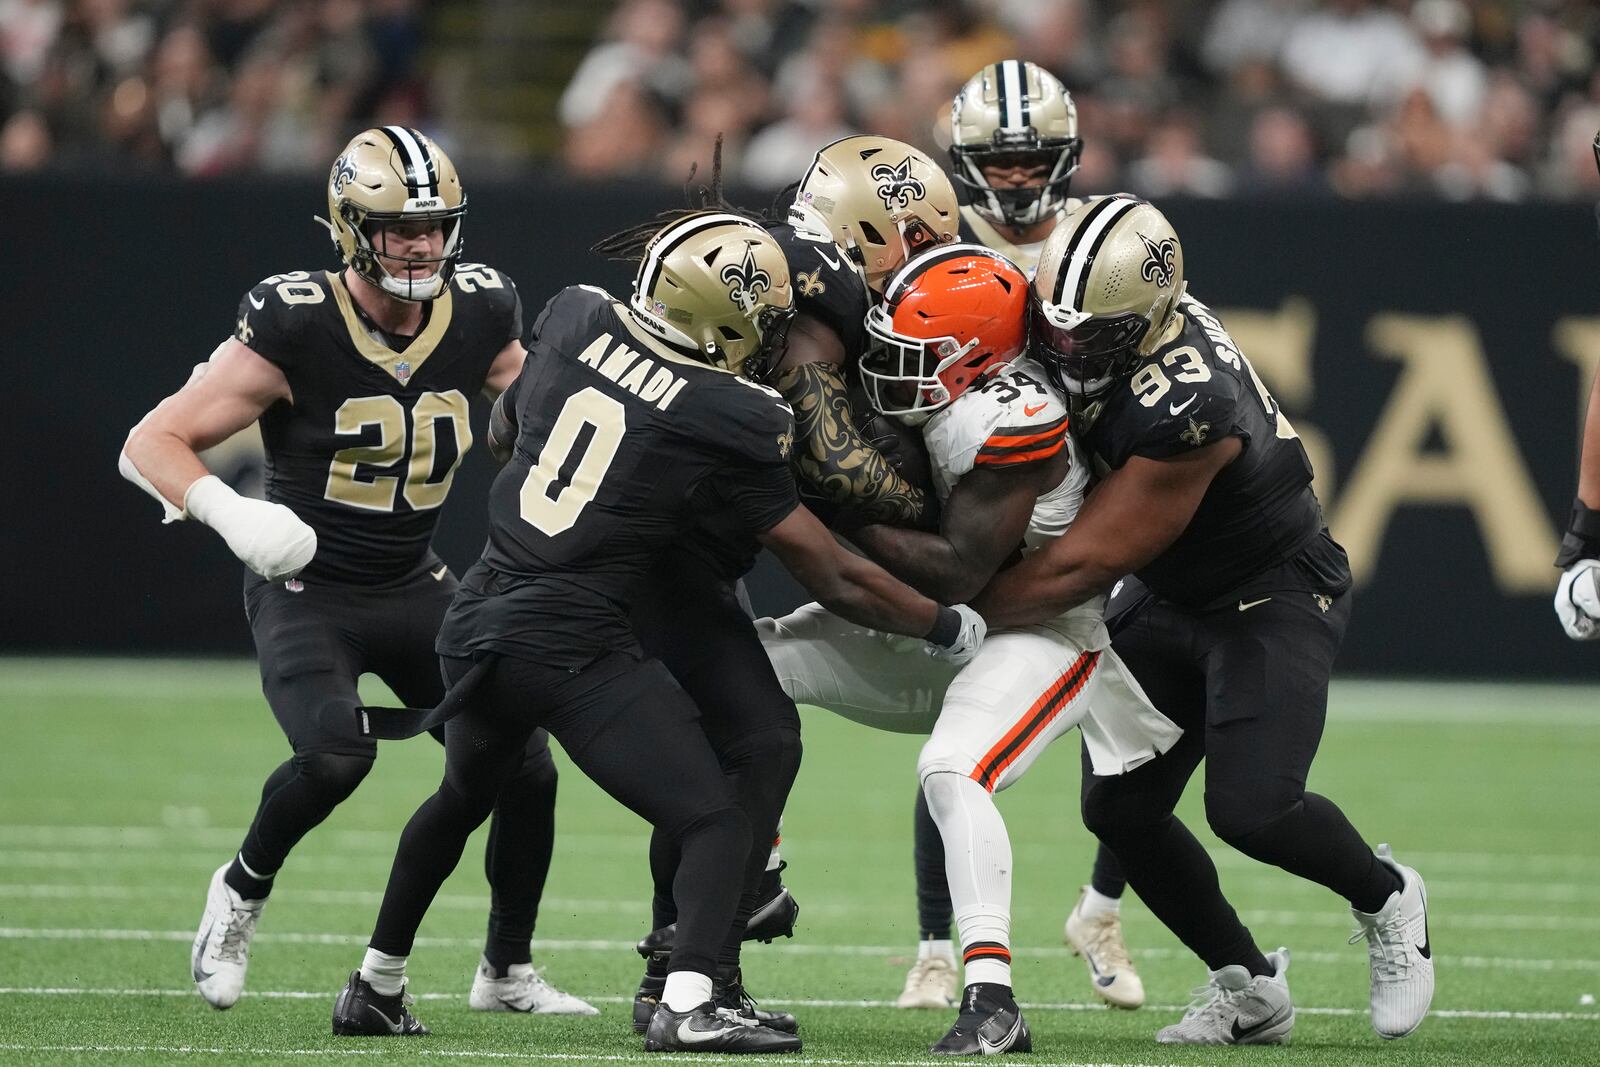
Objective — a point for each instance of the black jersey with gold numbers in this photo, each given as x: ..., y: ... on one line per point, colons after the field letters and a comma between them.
x: 1259, y: 512
x: 622, y: 444
x: 366, y: 449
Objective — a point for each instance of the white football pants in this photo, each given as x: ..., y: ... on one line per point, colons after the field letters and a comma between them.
x: 987, y: 723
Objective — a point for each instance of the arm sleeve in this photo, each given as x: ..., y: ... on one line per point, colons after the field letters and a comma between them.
x: 832, y: 457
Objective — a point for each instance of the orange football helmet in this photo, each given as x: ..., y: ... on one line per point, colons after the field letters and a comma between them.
x: 950, y: 317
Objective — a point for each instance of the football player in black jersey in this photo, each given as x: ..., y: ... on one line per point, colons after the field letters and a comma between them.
x: 863, y: 206
x: 360, y: 380
x: 1014, y: 148
x: 1238, y: 606
x: 630, y: 422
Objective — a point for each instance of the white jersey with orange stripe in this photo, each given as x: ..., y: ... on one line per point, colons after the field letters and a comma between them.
x: 1014, y: 418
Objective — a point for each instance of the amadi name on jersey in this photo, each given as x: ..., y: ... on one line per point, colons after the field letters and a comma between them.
x: 622, y: 444
x: 366, y: 450
x: 1259, y: 511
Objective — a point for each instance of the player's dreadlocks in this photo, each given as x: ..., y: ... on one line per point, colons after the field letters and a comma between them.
x: 628, y: 245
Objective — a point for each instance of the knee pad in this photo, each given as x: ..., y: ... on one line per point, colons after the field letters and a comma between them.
x: 938, y: 756
x: 1111, y: 815
x: 1235, y: 815
x: 333, y: 775
x: 537, y: 774
x: 941, y: 789
x: 771, y: 750
x: 728, y: 825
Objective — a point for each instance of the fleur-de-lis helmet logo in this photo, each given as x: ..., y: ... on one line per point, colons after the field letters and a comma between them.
x: 747, y: 281
x: 896, y: 186
x: 344, y: 172
x: 1161, y: 261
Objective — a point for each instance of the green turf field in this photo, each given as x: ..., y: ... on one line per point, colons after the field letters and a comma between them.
x: 124, y: 784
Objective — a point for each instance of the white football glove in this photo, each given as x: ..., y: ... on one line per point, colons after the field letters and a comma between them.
x: 1578, y: 600
x: 968, y: 640
x: 268, y: 538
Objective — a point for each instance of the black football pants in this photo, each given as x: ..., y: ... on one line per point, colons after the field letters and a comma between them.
x: 1250, y: 688
x: 695, y: 624
x: 633, y: 731
x: 313, y: 644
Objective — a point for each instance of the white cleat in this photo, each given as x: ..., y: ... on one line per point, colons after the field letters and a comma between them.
x: 1098, y: 939
x: 1398, y: 953
x: 931, y: 983
x: 523, y: 989
x: 222, y: 946
x: 1236, y: 1009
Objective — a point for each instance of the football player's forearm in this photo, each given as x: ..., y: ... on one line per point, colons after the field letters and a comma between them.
x: 833, y: 458
x: 927, y: 562
x: 866, y: 594
x: 1043, y: 586
x: 165, y: 461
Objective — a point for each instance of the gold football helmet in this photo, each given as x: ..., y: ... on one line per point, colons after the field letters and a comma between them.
x: 880, y: 200
x: 717, y: 284
x: 1011, y: 114
x: 1106, y: 294
x: 388, y: 175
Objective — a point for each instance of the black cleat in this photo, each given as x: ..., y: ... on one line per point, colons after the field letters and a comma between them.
x: 358, y: 1011
x: 704, y: 1029
x: 658, y: 942
x: 990, y: 1023
x: 728, y: 994
x: 774, y: 916
x: 651, y: 986
x: 776, y: 909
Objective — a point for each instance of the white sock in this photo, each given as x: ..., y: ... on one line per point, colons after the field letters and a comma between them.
x: 386, y: 974
x: 774, y: 859
x: 1096, y: 903
x: 686, y: 989
x: 931, y: 947
x: 977, y: 860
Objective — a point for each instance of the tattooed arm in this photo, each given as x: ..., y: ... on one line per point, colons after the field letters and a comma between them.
x: 831, y: 456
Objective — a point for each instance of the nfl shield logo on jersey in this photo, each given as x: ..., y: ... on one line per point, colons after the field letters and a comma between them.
x: 402, y: 371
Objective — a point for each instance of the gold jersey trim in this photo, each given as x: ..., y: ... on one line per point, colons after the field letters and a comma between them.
x: 375, y: 351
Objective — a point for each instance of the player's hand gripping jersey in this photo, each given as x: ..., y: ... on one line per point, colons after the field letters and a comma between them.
x: 1260, y: 511
x: 1026, y: 687
x: 366, y: 451
x: 621, y: 445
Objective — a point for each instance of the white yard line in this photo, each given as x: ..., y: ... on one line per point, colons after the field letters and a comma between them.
x: 58, y: 933
x: 410, y: 1048
x: 1333, y: 917
x: 802, y: 1002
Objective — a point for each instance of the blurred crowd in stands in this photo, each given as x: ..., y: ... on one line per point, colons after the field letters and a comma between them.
x: 205, y: 87
x: 1460, y: 99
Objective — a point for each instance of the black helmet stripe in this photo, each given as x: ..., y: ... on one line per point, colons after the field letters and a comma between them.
x: 1013, y: 95
x: 673, y: 236
x: 1085, y: 244
x: 421, y: 174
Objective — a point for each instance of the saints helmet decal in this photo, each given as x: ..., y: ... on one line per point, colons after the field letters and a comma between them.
x: 716, y: 285
x: 1106, y: 293
x: 881, y: 201
x: 1014, y: 113
x: 392, y: 175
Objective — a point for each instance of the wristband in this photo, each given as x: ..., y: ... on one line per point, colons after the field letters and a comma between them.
x: 1582, y: 537
x: 946, y: 627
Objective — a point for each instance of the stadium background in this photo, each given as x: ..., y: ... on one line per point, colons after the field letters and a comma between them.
x: 1389, y: 203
